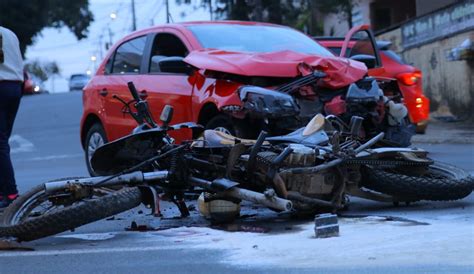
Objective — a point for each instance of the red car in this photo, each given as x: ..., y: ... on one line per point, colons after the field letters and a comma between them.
x: 29, y: 86
x: 391, y: 66
x: 237, y: 77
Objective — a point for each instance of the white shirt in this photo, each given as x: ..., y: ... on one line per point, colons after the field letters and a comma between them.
x: 12, y: 67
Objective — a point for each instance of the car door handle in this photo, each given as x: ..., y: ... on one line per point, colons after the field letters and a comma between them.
x: 103, y: 92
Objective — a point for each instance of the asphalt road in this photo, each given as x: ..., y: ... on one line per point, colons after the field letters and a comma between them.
x: 45, y: 146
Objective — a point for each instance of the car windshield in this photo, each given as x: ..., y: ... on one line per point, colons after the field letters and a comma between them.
x: 256, y: 38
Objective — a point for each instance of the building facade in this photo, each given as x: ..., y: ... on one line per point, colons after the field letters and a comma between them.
x: 436, y: 36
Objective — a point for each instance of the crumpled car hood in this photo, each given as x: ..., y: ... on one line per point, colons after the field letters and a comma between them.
x: 341, y: 71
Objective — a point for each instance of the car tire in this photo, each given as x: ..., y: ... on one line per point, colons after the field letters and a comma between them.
x: 226, y: 124
x: 95, y: 138
x: 421, y: 128
x: 223, y: 123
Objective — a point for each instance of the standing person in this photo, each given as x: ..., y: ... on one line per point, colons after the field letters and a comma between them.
x: 11, y: 78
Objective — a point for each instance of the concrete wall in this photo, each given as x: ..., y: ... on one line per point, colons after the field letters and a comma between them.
x: 448, y: 84
x: 426, y: 6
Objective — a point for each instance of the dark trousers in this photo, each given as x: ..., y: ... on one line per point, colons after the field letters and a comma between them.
x: 10, y: 95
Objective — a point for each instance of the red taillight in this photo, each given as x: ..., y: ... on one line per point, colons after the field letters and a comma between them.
x: 409, y: 78
x: 419, y: 102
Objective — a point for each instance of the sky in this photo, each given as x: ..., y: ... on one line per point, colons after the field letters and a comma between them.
x: 73, y: 56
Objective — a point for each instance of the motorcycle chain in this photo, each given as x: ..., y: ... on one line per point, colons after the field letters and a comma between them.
x: 386, y: 163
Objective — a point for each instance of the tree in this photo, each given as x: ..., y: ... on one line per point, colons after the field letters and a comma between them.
x: 42, y: 70
x: 28, y: 18
x: 296, y: 13
x: 341, y: 7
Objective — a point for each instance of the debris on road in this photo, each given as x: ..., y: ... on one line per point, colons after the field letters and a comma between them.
x: 326, y: 226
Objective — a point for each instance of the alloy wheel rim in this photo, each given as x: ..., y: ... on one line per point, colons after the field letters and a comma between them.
x: 95, y: 141
x: 223, y: 130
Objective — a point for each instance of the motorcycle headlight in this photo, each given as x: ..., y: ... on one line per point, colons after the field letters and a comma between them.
x: 267, y: 103
x: 365, y: 90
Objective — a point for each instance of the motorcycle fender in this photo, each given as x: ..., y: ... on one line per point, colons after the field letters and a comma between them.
x: 223, y: 184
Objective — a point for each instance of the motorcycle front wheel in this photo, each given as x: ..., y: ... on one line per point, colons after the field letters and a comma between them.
x: 439, y: 182
x: 33, y: 215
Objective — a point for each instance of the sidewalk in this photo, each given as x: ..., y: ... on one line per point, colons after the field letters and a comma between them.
x: 446, y: 132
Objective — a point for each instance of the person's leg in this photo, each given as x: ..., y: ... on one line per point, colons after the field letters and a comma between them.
x: 10, y: 94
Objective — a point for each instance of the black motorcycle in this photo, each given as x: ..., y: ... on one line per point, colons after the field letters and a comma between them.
x: 315, y: 168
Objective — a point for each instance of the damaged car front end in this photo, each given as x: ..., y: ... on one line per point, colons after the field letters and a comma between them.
x: 269, y: 106
x: 279, y: 84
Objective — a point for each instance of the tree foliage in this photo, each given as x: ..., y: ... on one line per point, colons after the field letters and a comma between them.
x: 42, y: 70
x: 301, y: 14
x: 28, y: 18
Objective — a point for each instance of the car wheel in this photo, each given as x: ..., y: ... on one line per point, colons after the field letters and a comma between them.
x: 222, y: 123
x: 94, y: 139
x: 421, y: 128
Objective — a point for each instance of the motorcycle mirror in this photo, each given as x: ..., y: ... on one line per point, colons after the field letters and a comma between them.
x: 166, y: 115
x: 314, y: 125
x: 355, y: 125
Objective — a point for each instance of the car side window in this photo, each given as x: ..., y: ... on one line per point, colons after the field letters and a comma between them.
x: 335, y: 50
x: 362, y: 45
x: 128, y: 56
x: 165, y: 45
x: 108, y: 65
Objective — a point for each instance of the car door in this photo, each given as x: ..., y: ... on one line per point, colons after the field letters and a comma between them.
x: 164, y: 87
x: 124, y: 65
x: 360, y: 41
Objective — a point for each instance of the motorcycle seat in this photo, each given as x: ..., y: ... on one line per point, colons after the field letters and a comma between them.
x: 214, y: 138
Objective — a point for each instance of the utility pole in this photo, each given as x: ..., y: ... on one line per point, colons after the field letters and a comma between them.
x: 101, y: 55
x: 167, y: 11
x: 210, y: 8
x: 110, y: 38
x: 134, y: 19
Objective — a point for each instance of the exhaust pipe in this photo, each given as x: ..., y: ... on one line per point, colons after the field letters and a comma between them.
x: 128, y: 178
x: 271, y: 200
x: 228, y: 188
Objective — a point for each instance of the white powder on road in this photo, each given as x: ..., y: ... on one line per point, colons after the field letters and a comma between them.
x: 362, y: 242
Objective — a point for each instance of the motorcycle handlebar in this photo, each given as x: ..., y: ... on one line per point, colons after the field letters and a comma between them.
x: 133, y: 91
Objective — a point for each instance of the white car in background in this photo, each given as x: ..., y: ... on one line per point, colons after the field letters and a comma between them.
x: 78, y: 81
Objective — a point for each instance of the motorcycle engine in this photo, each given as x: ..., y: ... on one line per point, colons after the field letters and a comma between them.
x: 312, y: 185
x: 317, y: 185
x: 301, y: 156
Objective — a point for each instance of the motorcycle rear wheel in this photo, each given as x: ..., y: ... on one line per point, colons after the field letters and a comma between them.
x: 441, y: 182
x: 20, y: 222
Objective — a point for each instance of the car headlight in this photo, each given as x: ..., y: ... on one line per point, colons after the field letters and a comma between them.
x: 266, y: 103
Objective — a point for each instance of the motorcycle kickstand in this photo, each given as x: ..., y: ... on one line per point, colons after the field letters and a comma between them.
x: 181, y: 204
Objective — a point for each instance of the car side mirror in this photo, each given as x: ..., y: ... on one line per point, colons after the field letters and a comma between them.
x: 368, y: 60
x: 174, y: 65
x: 166, y: 115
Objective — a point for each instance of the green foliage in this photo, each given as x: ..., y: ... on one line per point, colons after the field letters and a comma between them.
x: 42, y: 70
x: 28, y: 18
x: 299, y: 14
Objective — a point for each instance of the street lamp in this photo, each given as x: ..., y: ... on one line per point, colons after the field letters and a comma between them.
x: 88, y: 72
x: 93, y: 58
x: 113, y: 16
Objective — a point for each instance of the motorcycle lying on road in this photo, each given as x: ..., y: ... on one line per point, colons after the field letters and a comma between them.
x: 315, y: 168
